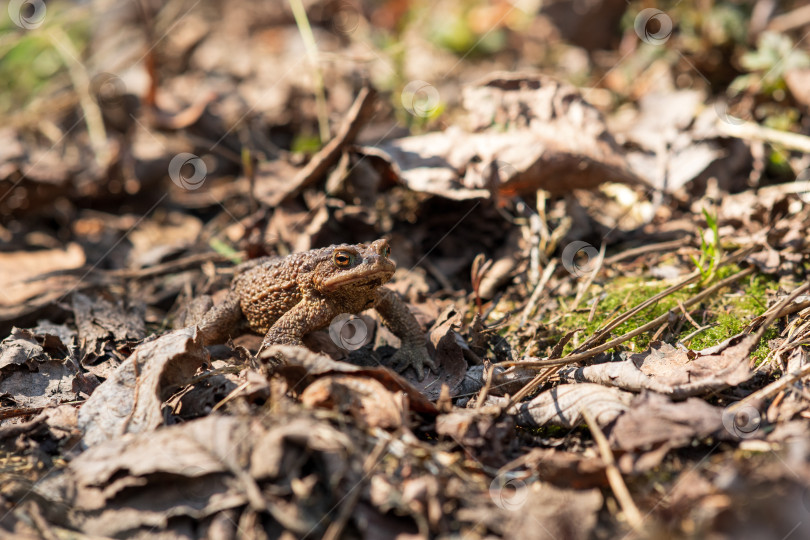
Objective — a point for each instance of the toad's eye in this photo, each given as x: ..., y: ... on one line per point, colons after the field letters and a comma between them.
x: 385, y: 252
x: 343, y: 258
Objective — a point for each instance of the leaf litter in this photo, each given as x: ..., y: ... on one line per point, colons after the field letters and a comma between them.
x: 610, y: 268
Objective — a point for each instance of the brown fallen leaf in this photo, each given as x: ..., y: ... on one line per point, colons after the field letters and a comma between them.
x: 562, y: 405
x: 480, y: 432
x: 99, y: 320
x: 18, y: 267
x: 673, y: 147
x: 558, y: 512
x: 143, y: 480
x: 130, y: 401
x: 527, y: 132
x: 30, y: 376
x: 57, y: 423
x: 675, y: 372
x: 654, y: 424
x: 274, y: 452
x: 303, y: 367
x: 565, y: 469
x: 368, y: 401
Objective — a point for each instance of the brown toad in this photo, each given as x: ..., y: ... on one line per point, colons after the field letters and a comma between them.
x: 287, y: 298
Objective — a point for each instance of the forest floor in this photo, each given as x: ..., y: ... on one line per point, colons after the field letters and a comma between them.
x: 599, y: 218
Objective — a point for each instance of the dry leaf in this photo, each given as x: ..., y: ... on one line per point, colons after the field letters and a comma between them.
x: 143, y: 480
x: 99, y: 320
x: 364, y: 398
x: 562, y: 405
x: 654, y: 424
x: 668, y: 370
x: 31, y: 377
x: 18, y: 267
x: 558, y: 513
x: 131, y: 400
x: 484, y: 432
x: 303, y: 367
x: 528, y: 132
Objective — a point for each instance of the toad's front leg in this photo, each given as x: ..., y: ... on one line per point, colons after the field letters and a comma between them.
x: 306, y: 316
x: 397, y: 317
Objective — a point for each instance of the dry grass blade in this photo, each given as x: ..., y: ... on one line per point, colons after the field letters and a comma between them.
x: 640, y: 330
x: 529, y: 388
x: 588, y: 282
x: 631, y: 511
x: 482, y: 397
x: 538, y: 291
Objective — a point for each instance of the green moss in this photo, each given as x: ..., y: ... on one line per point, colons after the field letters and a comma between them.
x: 729, y: 311
x: 29, y: 65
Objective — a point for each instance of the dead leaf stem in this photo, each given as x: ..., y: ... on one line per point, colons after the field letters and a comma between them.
x: 81, y: 84
x: 614, y: 475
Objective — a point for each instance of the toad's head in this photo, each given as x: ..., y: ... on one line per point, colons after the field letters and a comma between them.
x: 347, y: 268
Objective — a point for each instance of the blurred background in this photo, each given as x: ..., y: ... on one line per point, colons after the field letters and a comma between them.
x: 543, y: 169
x: 189, y: 123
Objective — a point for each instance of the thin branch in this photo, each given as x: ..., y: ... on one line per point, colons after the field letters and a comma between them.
x: 614, y: 475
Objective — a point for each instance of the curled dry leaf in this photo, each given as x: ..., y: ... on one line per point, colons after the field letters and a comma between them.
x: 303, y: 367
x: 57, y: 423
x: 675, y: 372
x: 365, y: 399
x: 562, y: 406
x: 656, y: 422
x: 143, y: 480
x: 98, y: 320
x: 29, y: 375
x: 130, y: 401
x: 139, y: 482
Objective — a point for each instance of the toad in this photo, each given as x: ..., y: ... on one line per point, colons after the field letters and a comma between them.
x: 287, y: 298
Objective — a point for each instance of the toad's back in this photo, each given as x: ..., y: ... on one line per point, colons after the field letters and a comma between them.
x: 270, y: 289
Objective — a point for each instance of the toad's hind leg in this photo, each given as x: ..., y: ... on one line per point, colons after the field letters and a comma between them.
x: 306, y: 316
x: 222, y: 321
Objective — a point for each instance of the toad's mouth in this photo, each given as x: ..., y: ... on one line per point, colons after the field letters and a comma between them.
x: 372, y: 280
